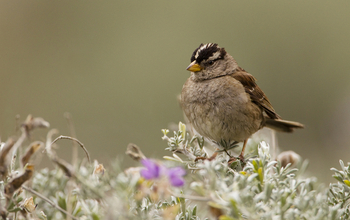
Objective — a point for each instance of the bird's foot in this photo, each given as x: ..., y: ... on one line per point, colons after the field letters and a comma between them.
x: 207, y: 158
x: 241, y: 158
x: 234, y: 161
x: 227, y: 153
x: 231, y: 160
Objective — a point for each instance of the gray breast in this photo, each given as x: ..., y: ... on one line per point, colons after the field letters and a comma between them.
x: 219, y: 109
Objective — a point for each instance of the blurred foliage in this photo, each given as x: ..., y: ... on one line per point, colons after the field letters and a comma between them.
x: 214, y: 186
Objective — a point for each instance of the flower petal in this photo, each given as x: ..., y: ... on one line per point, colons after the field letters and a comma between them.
x: 151, y: 170
x: 177, y: 181
x: 177, y: 171
x: 175, y: 176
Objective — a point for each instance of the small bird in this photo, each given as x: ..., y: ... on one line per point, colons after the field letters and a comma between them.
x: 223, y: 102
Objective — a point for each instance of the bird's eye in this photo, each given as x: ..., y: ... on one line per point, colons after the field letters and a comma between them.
x: 210, y: 62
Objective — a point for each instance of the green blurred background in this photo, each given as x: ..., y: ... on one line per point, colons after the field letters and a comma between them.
x: 117, y: 67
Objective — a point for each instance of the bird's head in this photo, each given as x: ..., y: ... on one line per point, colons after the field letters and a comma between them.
x: 209, y: 61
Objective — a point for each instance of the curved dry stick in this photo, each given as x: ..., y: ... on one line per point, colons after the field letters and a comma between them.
x: 69, y: 119
x: 76, y: 140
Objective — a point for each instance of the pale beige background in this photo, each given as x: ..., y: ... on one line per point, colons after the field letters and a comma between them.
x: 117, y: 67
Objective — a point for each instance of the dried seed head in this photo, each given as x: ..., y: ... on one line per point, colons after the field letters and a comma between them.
x: 287, y: 157
x: 29, y: 205
x: 31, y: 123
x: 134, y: 152
x: 31, y: 150
x: 17, y: 182
x: 99, y: 170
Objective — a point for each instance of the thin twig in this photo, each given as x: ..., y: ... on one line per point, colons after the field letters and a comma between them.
x: 48, y: 201
x: 76, y: 140
x: 197, y: 198
x: 68, y: 117
x: 185, y: 152
x: 17, y: 123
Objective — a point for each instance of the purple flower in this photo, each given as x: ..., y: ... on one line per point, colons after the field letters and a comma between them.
x: 176, y: 176
x: 151, y: 170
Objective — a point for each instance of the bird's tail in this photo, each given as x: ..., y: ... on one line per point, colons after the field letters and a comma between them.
x: 283, y: 125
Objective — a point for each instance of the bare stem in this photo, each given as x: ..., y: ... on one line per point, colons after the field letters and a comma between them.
x: 76, y: 140
x: 196, y: 198
x: 48, y: 201
x: 68, y: 117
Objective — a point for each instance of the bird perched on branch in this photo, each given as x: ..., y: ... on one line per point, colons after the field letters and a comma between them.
x: 223, y: 102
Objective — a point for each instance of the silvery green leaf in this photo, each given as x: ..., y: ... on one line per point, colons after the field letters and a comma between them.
x: 171, y: 158
x: 252, y: 177
x: 178, y: 158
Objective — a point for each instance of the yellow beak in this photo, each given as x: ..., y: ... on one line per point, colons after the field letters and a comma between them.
x: 194, y: 67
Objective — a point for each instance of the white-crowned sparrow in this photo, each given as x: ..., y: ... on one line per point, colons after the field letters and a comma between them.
x: 223, y: 102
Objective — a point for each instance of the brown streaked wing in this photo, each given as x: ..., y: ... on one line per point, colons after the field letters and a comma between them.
x: 256, y: 94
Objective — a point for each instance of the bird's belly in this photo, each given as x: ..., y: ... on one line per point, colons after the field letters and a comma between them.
x: 230, y: 125
x: 230, y: 116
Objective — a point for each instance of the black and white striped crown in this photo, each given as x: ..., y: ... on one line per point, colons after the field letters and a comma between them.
x: 208, y: 51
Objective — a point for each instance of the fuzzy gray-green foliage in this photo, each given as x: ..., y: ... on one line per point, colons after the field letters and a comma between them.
x: 260, y: 188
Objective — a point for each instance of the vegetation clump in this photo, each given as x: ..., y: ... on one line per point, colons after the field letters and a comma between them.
x: 188, y: 185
